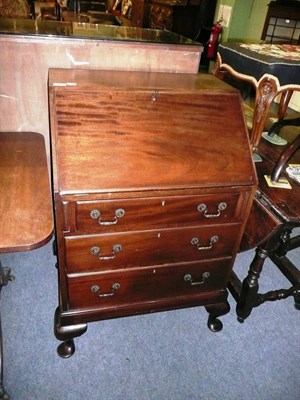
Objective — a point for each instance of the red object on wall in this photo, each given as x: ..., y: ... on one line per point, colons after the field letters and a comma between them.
x: 214, y: 40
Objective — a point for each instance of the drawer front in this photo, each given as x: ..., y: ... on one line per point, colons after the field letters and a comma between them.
x: 145, y: 248
x: 140, y: 214
x: 147, y: 284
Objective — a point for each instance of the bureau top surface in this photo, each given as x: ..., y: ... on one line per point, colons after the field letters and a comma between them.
x: 120, y: 131
x: 136, y: 80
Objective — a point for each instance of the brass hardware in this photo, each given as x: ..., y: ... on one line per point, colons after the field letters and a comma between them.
x: 203, y: 207
x: 213, y: 240
x: 189, y: 279
x: 119, y: 213
x: 95, y: 250
x: 96, y: 214
x: 96, y: 289
x: 154, y: 95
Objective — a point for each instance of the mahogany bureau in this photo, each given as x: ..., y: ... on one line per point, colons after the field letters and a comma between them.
x: 153, y: 182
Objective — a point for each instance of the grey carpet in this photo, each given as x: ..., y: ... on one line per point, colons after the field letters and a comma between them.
x: 162, y: 356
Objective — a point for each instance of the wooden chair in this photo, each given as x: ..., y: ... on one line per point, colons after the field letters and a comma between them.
x: 266, y: 89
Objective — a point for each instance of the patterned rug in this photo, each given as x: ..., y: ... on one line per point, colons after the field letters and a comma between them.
x: 286, y: 51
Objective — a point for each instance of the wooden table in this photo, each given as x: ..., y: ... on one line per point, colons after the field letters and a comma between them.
x: 272, y: 70
x: 25, y: 201
x: 275, y: 214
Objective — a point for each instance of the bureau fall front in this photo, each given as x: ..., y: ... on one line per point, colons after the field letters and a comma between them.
x: 153, y: 182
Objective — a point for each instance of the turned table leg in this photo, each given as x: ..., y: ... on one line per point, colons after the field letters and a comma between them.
x: 276, y: 248
x: 289, y: 270
x: 250, y: 285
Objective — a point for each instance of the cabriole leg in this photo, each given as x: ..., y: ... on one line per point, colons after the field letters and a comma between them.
x: 215, y: 311
x: 67, y: 334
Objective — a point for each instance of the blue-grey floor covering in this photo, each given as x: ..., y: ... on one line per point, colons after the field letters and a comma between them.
x: 162, y: 356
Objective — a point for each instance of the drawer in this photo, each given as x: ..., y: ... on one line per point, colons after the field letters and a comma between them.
x: 147, y: 284
x: 148, y: 213
x: 145, y: 248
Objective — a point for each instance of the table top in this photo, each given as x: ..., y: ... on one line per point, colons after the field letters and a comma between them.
x: 282, y: 61
x: 25, y: 196
x: 286, y: 201
x: 275, y: 206
x: 92, y: 31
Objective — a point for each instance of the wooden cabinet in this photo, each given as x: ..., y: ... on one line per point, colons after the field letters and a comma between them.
x: 161, y: 13
x: 190, y: 18
x: 164, y: 13
x: 139, y: 13
x: 153, y: 181
x: 282, y: 24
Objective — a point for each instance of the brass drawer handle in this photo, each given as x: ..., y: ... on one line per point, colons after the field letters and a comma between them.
x: 189, y: 279
x: 95, y: 250
x: 203, y: 208
x: 96, y: 289
x: 96, y: 214
x: 213, y: 240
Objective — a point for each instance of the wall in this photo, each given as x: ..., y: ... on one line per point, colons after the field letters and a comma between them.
x: 258, y: 16
x: 247, y: 19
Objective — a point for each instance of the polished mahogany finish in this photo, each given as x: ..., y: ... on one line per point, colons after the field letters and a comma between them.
x: 25, y: 194
x: 92, y: 216
x: 150, y: 206
x: 109, y: 251
x: 25, y: 202
x: 67, y: 45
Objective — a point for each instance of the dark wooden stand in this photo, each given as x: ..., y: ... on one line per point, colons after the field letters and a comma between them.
x: 24, y: 197
x: 275, y: 213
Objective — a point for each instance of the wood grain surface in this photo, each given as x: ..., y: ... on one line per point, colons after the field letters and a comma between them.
x: 25, y: 197
x: 25, y: 61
